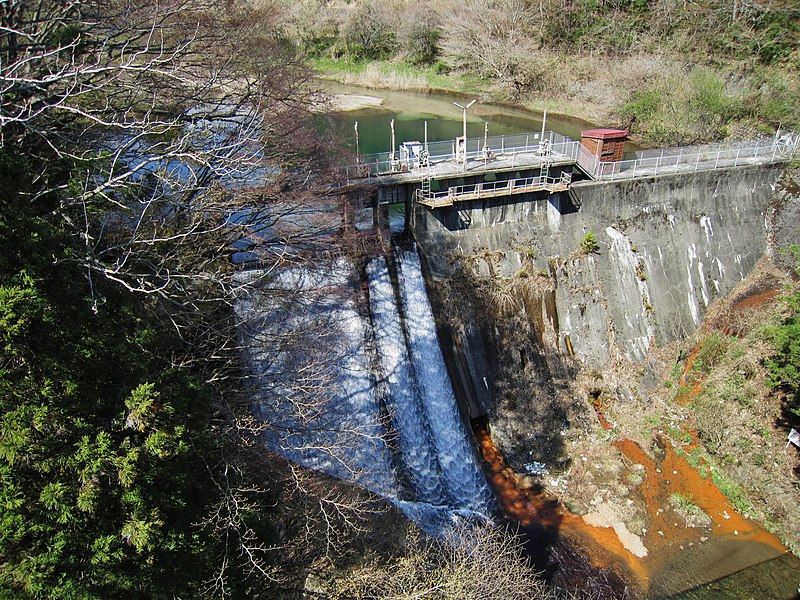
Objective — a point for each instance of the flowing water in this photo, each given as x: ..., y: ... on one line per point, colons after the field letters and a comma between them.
x: 370, y: 399
x: 465, y: 485
x: 354, y: 384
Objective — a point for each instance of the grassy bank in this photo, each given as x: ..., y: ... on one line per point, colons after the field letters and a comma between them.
x: 400, y: 76
x: 397, y: 76
x: 673, y: 74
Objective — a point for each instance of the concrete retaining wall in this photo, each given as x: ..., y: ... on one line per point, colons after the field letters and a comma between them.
x: 668, y: 246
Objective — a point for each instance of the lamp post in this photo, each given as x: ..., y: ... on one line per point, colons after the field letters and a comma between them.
x: 464, y: 108
x: 358, y: 149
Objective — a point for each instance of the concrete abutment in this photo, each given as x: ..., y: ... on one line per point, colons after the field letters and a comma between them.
x: 669, y: 245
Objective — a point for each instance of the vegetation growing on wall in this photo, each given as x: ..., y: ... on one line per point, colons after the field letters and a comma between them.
x: 589, y: 243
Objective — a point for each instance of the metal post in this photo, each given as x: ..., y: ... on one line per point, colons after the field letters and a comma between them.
x: 716, y: 162
x: 736, y: 160
x: 391, y: 156
x: 544, y: 121
x: 358, y: 152
x: 426, y: 141
x: 485, y: 145
x: 697, y: 164
x: 464, y: 109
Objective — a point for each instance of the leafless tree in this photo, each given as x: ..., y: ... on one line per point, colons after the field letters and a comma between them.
x: 368, y: 32
x: 496, y: 38
x: 476, y: 562
x: 162, y: 112
x: 166, y: 136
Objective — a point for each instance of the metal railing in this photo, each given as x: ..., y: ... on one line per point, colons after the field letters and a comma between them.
x: 691, y: 158
x: 480, y: 154
x: 531, y: 149
x: 477, y: 191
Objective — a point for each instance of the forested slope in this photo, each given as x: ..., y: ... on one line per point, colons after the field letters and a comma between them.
x: 675, y: 71
x: 141, y: 145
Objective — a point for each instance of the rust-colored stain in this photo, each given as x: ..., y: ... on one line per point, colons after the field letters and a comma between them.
x: 666, y: 533
x: 755, y: 300
x: 600, y: 409
x: 687, y: 369
x: 529, y: 505
x: 666, y: 473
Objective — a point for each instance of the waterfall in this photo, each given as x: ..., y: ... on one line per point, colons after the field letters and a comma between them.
x: 465, y: 484
x: 311, y: 373
x: 367, y: 367
x: 403, y: 397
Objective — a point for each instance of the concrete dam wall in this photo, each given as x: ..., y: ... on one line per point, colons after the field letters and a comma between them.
x: 667, y: 247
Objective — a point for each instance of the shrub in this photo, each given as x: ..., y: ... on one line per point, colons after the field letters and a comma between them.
x: 784, y: 364
x: 589, y: 243
x: 420, y: 38
x: 682, y: 109
x: 368, y: 34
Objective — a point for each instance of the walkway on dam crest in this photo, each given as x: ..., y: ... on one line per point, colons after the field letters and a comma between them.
x: 424, y: 164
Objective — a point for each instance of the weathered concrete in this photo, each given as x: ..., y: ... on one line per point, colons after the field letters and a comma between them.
x: 668, y: 246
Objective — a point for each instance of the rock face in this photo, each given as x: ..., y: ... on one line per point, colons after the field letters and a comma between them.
x: 667, y: 247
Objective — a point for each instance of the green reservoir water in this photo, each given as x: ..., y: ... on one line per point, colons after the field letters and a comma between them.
x: 411, y: 110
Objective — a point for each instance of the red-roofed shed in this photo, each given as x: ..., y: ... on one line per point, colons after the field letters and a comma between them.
x: 608, y: 145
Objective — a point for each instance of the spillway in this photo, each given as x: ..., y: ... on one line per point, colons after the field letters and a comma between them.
x: 329, y: 366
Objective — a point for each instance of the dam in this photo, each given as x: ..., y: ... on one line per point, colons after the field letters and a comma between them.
x: 675, y: 230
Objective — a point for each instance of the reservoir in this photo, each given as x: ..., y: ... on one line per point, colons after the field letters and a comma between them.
x: 410, y: 111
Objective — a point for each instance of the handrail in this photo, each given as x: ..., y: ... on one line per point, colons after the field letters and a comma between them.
x: 519, y: 147
x: 490, y: 189
x: 698, y: 158
x: 587, y: 161
x: 513, y: 145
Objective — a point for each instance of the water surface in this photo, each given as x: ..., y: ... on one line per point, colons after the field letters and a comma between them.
x: 411, y: 110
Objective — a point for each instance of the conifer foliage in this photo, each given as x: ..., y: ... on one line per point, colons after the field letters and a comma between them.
x: 135, y: 140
